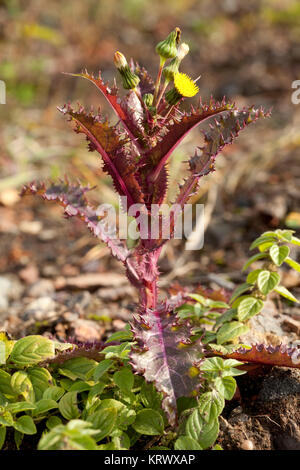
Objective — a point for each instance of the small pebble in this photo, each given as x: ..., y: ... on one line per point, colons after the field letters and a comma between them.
x: 32, y: 227
x: 41, y: 288
x: 247, y: 445
x: 40, y: 309
x: 30, y: 274
x: 86, y: 330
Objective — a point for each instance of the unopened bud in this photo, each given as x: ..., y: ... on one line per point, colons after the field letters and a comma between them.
x: 129, y: 79
x: 182, y: 51
x: 120, y: 60
x: 167, y: 49
x: 173, y: 66
x: 148, y: 99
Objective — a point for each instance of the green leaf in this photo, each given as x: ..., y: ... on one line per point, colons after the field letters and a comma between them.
x: 199, y: 298
x: 123, y: 335
x: 124, y: 379
x: 203, y: 433
x: 66, y: 384
x: 212, y: 364
x: 149, y: 422
x: 252, y: 277
x: 8, y: 343
x: 216, y: 304
x: 2, y: 436
x: 252, y: 259
x: 286, y: 293
x: 229, y: 363
x: 68, y: 406
x: 53, y: 421
x: 44, y: 405
x: 150, y: 397
x: 31, y: 350
x: 125, y: 415
x: 18, y: 437
x: 265, y: 246
x: 225, y: 317
x: 6, y: 418
x: 53, y: 393
x: 226, y: 386
x: 2, y: 353
x: 80, y: 386
x: 121, y: 442
x: 211, y: 405
x: 41, y: 379
x: 102, y: 367
x: 217, y: 447
x: 78, y: 368
x: 15, y: 408
x: 119, y: 351
x: 5, y: 386
x: 293, y: 264
x: 82, y: 443
x: 186, y: 443
x: 295, y: 241
x: 239, y: 290
x: 279, y: 254
x: 263, y: 239
x: 267, y: 281
x: 285, y: 235
x: 230, y: 331
x: 25, y: 424
x: 104, y: 421
x: 185, y: 310
x: 50, y: 440
x: 21, y: 385
x: 249, y: 307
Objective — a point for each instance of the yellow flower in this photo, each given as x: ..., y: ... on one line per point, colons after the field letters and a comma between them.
x: 185, y: 85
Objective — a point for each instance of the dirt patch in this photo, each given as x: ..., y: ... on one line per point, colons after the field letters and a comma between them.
x: 268, y: 416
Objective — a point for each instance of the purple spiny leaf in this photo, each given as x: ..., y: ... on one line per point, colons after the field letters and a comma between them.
x: 118, y: 163
x: 166, y: 356
x: 146, y: 84
x: 175, y: 131
x: 222, y: 133
x: 114, y: 100
x: 72, y: 198
x: 282, y: 355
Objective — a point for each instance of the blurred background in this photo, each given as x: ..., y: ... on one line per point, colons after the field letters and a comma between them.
x: 248, y: 51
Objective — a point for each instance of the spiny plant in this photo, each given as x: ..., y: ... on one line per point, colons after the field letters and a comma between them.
x: 135, y: 153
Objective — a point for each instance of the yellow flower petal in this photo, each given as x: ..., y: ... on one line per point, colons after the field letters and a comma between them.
x: 185, y: 85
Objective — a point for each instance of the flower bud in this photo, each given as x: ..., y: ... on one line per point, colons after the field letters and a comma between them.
x: 120, y: 60
x: 171, y: 70
x: 173, y: 66
x: 182, y: 51
x: 129, y: 79
x: 148, y: 99
x: 167, y: 49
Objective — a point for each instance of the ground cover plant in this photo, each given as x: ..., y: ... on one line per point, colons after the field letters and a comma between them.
x: 168, y: 375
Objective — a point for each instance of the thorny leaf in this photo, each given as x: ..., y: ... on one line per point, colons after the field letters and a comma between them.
x: 166, y: 356
x: 111, y: 94
x: 119, y: 162
x: 282, y: 355
x: 72, y: 198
